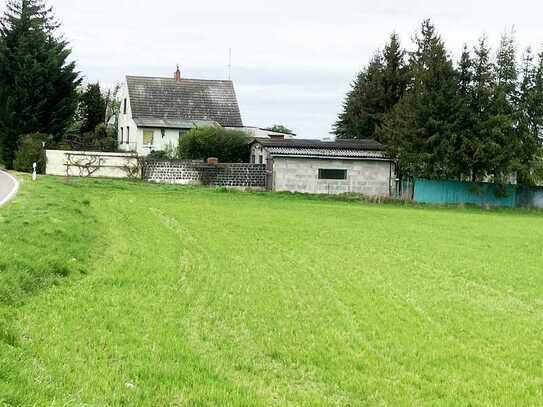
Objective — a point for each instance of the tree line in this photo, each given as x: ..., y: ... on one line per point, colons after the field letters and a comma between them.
x: 42, y: 99
x: 480, y: 118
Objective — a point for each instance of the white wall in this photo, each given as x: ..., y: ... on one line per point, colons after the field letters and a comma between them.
x: 171, y: 137
x: 90, y: 164
x: 136, y: 133
x: 256, y: 151
x: 368, y: 177
x: 125, y: 120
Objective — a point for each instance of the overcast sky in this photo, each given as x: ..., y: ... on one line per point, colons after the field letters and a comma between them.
x: 292, y: 61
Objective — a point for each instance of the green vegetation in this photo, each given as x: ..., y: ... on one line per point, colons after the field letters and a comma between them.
x: 38, y: 80
x: 121, y: 293
x: 476, y: 119
x: 30, y: 150
x: 279, y: 128
x: 227, y: 145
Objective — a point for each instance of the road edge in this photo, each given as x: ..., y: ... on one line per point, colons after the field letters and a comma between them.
x: 12, y: 192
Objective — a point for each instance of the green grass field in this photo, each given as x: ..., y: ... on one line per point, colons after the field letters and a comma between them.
x: 118, y: 293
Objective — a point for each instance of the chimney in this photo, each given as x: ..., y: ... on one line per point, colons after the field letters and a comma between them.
x: 177, y: 74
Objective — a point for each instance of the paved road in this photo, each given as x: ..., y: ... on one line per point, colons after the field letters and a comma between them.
x: 8, y: 187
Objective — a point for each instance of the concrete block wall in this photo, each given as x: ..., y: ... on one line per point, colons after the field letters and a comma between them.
x: 241, y: 175
x: 172, y: 172
x: 367, y: 177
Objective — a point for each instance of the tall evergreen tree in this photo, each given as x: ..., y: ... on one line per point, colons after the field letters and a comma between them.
x: 395, y: 73
x: 430, y: 108
x: 506, y: 153
x: 531, y: 93
x: 37, y: 83
x: 482, y: 93
x: 375, y: 92
x: 463, y: 142
x: 530, y: 119
x: 363, y: 104
x: 536, y: 108
x: 92, y: 108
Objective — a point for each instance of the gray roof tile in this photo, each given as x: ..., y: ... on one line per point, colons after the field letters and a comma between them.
x: 351, y: 144
x: 168, y: 100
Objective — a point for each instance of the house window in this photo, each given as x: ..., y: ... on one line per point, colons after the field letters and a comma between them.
x: 148, y: 137
x: 260, y: 159
x: 325, y: 173
x: 122, y: 134
x: 127, y: 134
x: 253, y: 159
x: 124, y: 106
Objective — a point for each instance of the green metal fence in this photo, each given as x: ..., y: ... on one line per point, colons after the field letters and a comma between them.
x: 530, y: 197
x: 475, y: 193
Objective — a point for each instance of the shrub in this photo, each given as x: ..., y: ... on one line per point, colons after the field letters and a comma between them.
x: 106, y: 144
x: 169, y: 153
x: 30, y: 150
x: 158, y: 155
x: 103, y: 138
x: 227, y: 145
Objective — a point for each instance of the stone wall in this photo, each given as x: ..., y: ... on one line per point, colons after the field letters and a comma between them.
x: 91, y: 164
x: 363, y: 176
x: 242, y: 175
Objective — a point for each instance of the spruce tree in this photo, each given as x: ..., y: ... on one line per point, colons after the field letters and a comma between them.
x: 530, y: 115
x: 532, y: 94
x: 403, y: 137
x: 537, y: 101
x: 376, y: 90
x: 463, y: 142
x: 429, y: 108
x: 363, y: 103
x: 482, y: 93
x: 37, y: 81
x: 395, y: 73
x: 505, y: 144
x: 92, y: 108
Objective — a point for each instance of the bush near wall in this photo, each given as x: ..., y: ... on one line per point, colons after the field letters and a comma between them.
x: 101, y: 139
x: 30, y: 150
x: 230, y: 146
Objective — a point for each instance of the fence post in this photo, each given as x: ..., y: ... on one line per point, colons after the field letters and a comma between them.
x: 269, y: 174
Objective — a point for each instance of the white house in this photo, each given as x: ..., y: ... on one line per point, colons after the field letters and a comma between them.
x: 156, y: 112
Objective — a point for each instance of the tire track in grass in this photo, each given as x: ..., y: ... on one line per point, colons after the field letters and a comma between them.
x: 201, y: 319
x: 192, y: 264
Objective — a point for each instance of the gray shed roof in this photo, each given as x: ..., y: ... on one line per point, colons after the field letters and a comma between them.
x: 170, y: 102
x: 352, y: 144
x: 340, y: 149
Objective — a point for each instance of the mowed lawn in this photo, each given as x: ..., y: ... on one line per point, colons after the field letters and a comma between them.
x: 120, y: 293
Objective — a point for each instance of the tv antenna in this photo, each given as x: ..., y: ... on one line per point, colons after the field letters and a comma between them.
x: 229, y: 63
